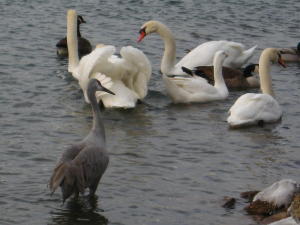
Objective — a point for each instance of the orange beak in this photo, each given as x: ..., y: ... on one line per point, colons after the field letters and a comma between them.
x: 142, y: 35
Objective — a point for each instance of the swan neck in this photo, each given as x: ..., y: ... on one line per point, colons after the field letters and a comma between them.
x: 218, y: 75
x: 264, y: 73
x: 169, y: 56
x: 72, y: 40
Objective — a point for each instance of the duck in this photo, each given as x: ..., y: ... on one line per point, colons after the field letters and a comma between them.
x: 258, y: 108
x: 84, y: 45
x: 82, y: 165
x: 293, y: 55
x: 197, y: 89
x: 234, y: 78
x: 200, y: 56
x: 129, y: 73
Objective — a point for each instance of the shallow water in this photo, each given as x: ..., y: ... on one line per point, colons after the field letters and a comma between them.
x: 169, y: 164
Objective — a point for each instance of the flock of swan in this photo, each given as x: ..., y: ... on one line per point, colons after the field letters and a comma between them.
x: 204, y: 74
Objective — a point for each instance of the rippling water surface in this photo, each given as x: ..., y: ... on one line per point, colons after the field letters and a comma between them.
x: 170, y: 164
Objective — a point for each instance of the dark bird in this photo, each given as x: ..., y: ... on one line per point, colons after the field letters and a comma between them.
x: 293, y: 55
x: 84, y: 46
x: 234, y: 78
x: 83, y: 164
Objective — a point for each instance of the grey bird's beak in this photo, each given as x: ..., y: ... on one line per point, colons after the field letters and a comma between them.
x: 106, y: 90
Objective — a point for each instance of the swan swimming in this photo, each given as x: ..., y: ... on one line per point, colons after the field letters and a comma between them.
x: 251, y: 108
x: 130, y: 74
x: 197, y: 89
x: 200, y: 56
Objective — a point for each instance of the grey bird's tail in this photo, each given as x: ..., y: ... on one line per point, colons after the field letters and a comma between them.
x: 69, y: 177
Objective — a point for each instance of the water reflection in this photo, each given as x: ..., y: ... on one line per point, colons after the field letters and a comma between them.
x: 78, y: 211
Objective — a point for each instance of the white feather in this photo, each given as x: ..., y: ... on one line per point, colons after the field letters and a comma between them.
x: 280, y: 193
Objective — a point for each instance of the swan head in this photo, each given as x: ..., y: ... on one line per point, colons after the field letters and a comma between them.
x: 149, y: 27
x: 220, y: 56
x: 275, y: 55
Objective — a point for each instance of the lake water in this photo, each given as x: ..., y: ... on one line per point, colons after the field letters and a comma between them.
x: 169, y: 164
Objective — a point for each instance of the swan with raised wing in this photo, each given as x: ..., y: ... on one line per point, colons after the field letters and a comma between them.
x: 200, y: 56
x: 129, y: 73
x: 196, y: 89
x: 252, y: 108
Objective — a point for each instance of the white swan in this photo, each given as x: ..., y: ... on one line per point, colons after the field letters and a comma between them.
x: 195, y: 88
x: 130, y: 74
x: 199, y: 56
x: 253, y: 108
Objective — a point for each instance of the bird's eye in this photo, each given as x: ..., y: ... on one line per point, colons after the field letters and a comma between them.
x: 143, y: 30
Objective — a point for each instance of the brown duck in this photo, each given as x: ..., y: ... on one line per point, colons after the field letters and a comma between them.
x: 234, y: 78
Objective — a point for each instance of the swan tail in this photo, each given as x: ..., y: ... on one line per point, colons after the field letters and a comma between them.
x: 247, y: 54
x: 140, y: 72
x: 69, y: 177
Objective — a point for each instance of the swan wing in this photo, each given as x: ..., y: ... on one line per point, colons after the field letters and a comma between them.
x: 97, y: 58
x: 251, y: 108
x: 88, y: 63
x: 193, y: 89
x: 237, y: 54
x: 138, y: 69
x: 200, y: 56
x: 203, y: 55
x: 123, y: 98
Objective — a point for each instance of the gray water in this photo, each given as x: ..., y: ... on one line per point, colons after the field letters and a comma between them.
x: 169, y: 164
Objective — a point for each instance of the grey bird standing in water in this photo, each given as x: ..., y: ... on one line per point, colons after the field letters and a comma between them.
x: 83, y: 164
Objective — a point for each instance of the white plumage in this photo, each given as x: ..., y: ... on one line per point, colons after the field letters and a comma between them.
x: 250, y: 109
x: 196, y: 89
x: 129, y: 73
x: 200, y: 56
x: 279, y: 194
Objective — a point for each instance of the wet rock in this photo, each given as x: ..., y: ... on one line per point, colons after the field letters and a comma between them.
x: 259, y: 207
x: 229, y: 202
x: 294, y: 209
x: 275, y: 217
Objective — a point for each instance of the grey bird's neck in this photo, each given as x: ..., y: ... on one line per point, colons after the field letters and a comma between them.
x: 97, y: 130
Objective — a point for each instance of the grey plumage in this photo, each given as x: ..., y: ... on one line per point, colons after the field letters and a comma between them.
x: 83, y: 164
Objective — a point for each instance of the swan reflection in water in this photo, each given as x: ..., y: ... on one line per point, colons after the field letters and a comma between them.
x: 82, y: 210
